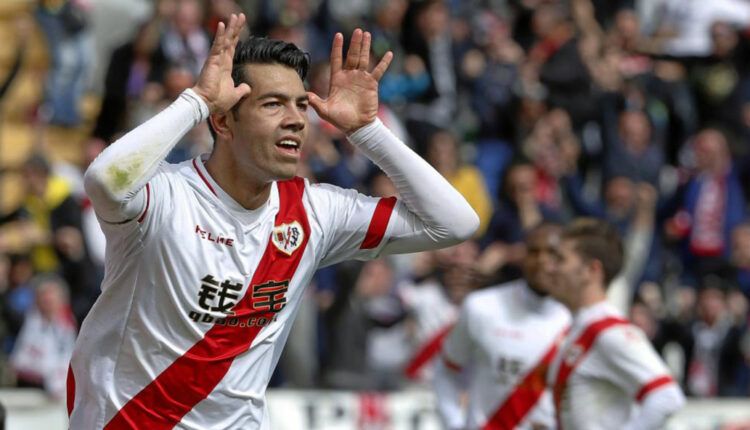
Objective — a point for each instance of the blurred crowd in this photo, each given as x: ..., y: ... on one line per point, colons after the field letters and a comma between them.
x: 634, y: 111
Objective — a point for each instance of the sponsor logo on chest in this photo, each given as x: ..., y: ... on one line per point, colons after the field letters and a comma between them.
x: 217, y: 300
x: 219, y: 239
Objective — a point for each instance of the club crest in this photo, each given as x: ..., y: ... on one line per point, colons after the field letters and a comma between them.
x: 288, y: 237
x: 572, y: 356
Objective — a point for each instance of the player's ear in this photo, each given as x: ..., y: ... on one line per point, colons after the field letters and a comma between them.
x: 596, y: 268
x: 220, y: 124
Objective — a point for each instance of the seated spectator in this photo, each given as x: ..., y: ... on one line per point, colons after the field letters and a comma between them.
x: 717, y: 80
x: 427, y: 34
x: 553, y: 149
x: 712, y: 344
x: 65, y: 27
x: 633, y: 153
x: 17, y: 298
x: 132, y: 67
x: 360, y: 319
x: 520, y: 210
x: 42, y: 353
x: 185, y: 43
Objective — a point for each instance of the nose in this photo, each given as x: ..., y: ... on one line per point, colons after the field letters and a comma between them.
x: 295, y: 119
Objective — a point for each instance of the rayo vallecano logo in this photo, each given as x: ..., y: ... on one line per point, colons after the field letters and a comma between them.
x: 288, y: 237
x: 572, y: 356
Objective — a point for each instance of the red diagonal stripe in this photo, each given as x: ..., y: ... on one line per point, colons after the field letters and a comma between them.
x: 378, y: 223
x: 148, y: 202
x: 653, y: 385
x: 190, y: 378
x: 584, y: 343
x: 426, y: 352
x: 525, y: 395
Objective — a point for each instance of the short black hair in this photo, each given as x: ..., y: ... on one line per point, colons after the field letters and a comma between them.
x: 262, y: 50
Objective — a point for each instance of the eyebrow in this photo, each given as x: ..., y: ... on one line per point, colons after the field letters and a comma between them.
x: 283, y: 96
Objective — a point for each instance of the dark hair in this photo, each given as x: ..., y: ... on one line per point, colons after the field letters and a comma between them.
x: 597, y: 240
x: 504, y: 192
x: 38, y: 163
x: 262, y: 50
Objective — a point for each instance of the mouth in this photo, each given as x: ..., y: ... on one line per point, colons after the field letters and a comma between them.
x: 289, y: 146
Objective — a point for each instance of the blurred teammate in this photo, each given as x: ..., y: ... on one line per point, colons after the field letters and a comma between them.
x: 207, y: 260
x: 505, y: 339
x: 605, y: 365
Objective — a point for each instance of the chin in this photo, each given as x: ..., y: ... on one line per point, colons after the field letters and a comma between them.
x: 285, y: 175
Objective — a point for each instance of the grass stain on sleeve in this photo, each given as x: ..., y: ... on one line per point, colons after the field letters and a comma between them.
x: 120, y: 178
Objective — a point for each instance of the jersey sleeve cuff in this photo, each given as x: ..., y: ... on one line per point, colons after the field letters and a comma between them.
x: 363, y: 134
x: 200, y: 108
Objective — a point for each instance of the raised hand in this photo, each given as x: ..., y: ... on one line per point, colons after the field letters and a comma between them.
x: 353, y: 94
x: 215, y: 84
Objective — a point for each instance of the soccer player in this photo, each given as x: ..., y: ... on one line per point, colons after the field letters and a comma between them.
x: 605, y: 365
x: 504, y: 339
x: 207, y: 260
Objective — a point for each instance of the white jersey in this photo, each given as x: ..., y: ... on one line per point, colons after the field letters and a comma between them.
x: 199, y: 293
x: 505, y: 337
x: 433, y: 314
x: 205, y: 290
x: 603, y: 367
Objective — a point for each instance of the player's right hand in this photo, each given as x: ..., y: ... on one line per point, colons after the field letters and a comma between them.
x: 215, y: 84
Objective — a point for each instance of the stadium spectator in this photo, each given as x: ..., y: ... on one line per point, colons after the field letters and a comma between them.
x: 132, y: 68
x: 65, y: 27
x: 709, y: 205
x: 519, y: 211
x: 42, y: 352
x: 443, y: 154
x: 714, y: 358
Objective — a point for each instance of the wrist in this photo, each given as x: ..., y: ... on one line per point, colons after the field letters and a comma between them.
x: 202, y: 109
x: 364, y: 132
x: 202, y: 96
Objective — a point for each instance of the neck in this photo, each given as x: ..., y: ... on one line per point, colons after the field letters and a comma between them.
x: 588, y: 297
x: 249, y: 191
x: 536, y: 290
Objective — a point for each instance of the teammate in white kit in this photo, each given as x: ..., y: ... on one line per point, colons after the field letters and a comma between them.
x: 499, y: 349
x: 207, y: 260
x: 606, y: 375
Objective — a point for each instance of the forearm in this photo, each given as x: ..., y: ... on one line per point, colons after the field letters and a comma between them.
x: 445, y: 215
x: 637, y: 250
x: 657, y: 408
x: 119, y: 173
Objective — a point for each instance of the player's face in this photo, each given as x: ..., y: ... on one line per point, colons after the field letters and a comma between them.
x: 542, y: 254
x: 571, y: 273
x: 270, y: 126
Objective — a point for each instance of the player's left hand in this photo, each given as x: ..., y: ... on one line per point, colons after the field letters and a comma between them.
x: 353, y: 93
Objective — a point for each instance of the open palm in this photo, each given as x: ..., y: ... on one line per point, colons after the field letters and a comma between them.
x: 353, y: 94
x: 215, y: 84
